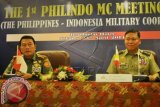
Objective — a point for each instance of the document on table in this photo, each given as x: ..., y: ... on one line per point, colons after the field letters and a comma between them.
x: 113, y: 77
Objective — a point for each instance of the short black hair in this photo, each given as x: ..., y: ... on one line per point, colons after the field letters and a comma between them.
x: 26, y: 37
x: 133, y: 31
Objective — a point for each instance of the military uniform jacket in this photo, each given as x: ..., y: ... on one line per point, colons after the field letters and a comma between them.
x: 39, y: 65
x: 142, y: 62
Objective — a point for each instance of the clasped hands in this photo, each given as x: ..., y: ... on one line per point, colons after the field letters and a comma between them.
x: 23, y: 75
x: 153, y: 77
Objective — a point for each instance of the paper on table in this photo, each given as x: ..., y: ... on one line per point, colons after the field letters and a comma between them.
x: 113, y: 77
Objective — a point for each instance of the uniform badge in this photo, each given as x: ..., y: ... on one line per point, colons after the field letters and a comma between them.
x: 47, y: 64
x: 34, y: 62
x: 39, y: 61
x: 123, y: 64
x: 36, y: 67
x: 143, y: 62
x: 123, y: 60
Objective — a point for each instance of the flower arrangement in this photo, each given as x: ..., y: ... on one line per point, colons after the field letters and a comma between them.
x: 66, y: 73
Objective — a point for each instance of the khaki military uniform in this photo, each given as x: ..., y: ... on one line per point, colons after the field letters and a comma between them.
x: 39, y: 66
x: 132, y: 64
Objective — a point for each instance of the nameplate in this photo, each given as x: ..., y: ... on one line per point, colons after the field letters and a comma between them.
x: 113, y: 77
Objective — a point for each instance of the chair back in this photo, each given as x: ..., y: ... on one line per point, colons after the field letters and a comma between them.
x: 57, y: 57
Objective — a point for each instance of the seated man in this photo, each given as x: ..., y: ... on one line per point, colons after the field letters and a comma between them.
x: 38, y: 66
x: 133, y: 60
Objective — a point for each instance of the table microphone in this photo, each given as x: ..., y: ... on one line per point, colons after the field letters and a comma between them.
x: 158, y: 79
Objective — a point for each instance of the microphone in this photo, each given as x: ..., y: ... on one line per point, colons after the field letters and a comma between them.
x: 140, y: 78
x: 157, y: 79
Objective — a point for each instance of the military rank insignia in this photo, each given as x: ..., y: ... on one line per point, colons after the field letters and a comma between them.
x: 36, y: 68
x: 143, y: 61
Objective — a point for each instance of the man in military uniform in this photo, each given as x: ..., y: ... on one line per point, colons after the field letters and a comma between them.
x: 38, y: 66
x: 133, y: 60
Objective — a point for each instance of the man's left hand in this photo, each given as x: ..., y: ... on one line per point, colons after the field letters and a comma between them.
x: 153, y: 77
x: 26, y: 76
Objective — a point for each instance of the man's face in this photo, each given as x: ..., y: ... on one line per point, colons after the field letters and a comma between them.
x: 132, y: 42
x: 27, y: 48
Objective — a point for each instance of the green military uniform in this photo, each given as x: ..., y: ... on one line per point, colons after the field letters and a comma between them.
x: 39, y: 66
x: 132, y: 64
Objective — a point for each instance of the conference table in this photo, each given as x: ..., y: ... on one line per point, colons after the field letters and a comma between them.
x: 90, y: 94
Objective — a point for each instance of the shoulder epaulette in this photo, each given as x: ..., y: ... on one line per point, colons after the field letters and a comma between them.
x: 121, y: 52
x: 146, y: 52
x: 41, y: 56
